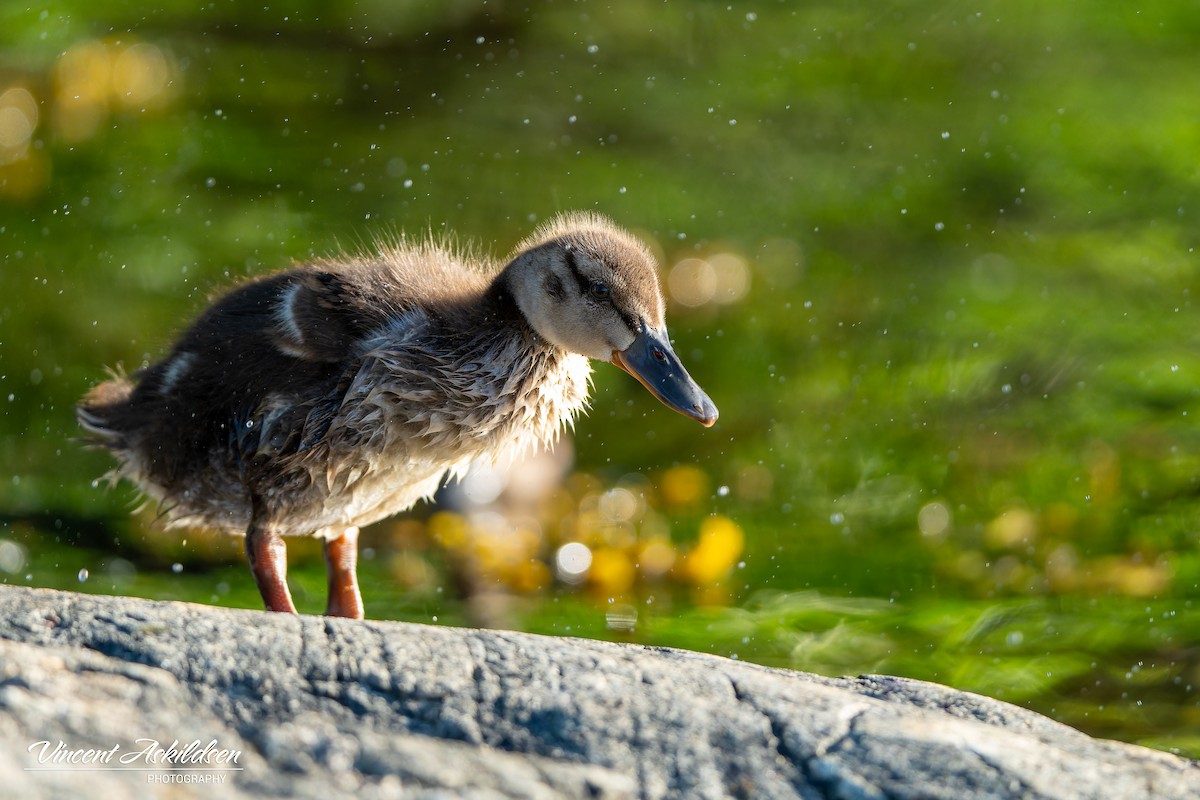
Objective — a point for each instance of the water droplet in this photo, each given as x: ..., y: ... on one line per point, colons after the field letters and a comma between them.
x: 177, y: 568
x: 83, y: 575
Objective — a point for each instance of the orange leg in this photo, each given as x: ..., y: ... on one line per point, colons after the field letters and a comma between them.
x: 341, y: 559
x: 268, y: 561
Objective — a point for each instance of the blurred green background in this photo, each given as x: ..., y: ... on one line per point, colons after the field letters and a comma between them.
x: 935, y: 263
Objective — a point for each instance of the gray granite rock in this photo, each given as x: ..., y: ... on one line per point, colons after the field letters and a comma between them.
x: 323, y: 708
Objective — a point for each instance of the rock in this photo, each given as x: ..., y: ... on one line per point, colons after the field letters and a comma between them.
x: 319, y: 708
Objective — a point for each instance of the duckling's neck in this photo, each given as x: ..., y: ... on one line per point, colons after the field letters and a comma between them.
x: 498, y: 306
x: 474, y: 382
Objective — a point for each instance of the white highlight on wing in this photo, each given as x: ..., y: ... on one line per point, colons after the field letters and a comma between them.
x: 286, y: 314
x: 176, y: 369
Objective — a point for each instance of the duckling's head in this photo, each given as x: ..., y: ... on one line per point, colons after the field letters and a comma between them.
x: 589, y: 287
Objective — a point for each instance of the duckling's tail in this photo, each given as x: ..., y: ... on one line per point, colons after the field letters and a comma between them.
x: 101, y: 412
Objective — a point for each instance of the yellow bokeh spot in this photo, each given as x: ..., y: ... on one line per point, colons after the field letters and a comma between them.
x: 530, y: 576
x: 1143, y: 580
x: 139, y: 74
x: 720, y: 544
x: 82, y: 78
x: 656, y: 557
x: 712, y: 595
x: 586, y: 527
x: 449, y: 530
x: 18, y: 118
x: 558, y: 505
x: 612, y: 571
x: 733, y: 277
x: 692, y: 282
x: 1013, y: 527
x: 499, y: 553
x: 684, y: 485
x: 83, y: 72
x: 488, y: 553
x: 93, y: 75
x: 24, y: 177
x: 1131, y: 578
x: 621, y: 535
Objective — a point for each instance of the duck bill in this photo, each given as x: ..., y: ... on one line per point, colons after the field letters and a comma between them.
x: 651, y: 360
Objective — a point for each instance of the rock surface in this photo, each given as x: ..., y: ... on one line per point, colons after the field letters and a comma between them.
x: 324, y: 708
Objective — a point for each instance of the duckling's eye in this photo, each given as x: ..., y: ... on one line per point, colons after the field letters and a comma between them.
x: 600, y: 291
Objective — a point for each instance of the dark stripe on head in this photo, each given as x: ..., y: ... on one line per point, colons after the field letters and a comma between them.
x: 555, y: 288
x: 631, y: 321
x: 580, y: 278
x: 585, y: 286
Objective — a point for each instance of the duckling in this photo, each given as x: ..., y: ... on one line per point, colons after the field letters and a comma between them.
x: 328, y: 396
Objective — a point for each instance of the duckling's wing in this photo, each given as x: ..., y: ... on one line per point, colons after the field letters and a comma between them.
x: 321, y: 315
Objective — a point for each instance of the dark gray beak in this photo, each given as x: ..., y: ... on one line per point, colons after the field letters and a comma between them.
x: 651, y: 360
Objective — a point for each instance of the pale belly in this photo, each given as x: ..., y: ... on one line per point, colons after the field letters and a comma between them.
x: 384, y: 494
x: 325, y: 509
x: 355, y: 498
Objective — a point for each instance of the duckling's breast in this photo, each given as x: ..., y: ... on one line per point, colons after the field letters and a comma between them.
x: 424, y: 405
